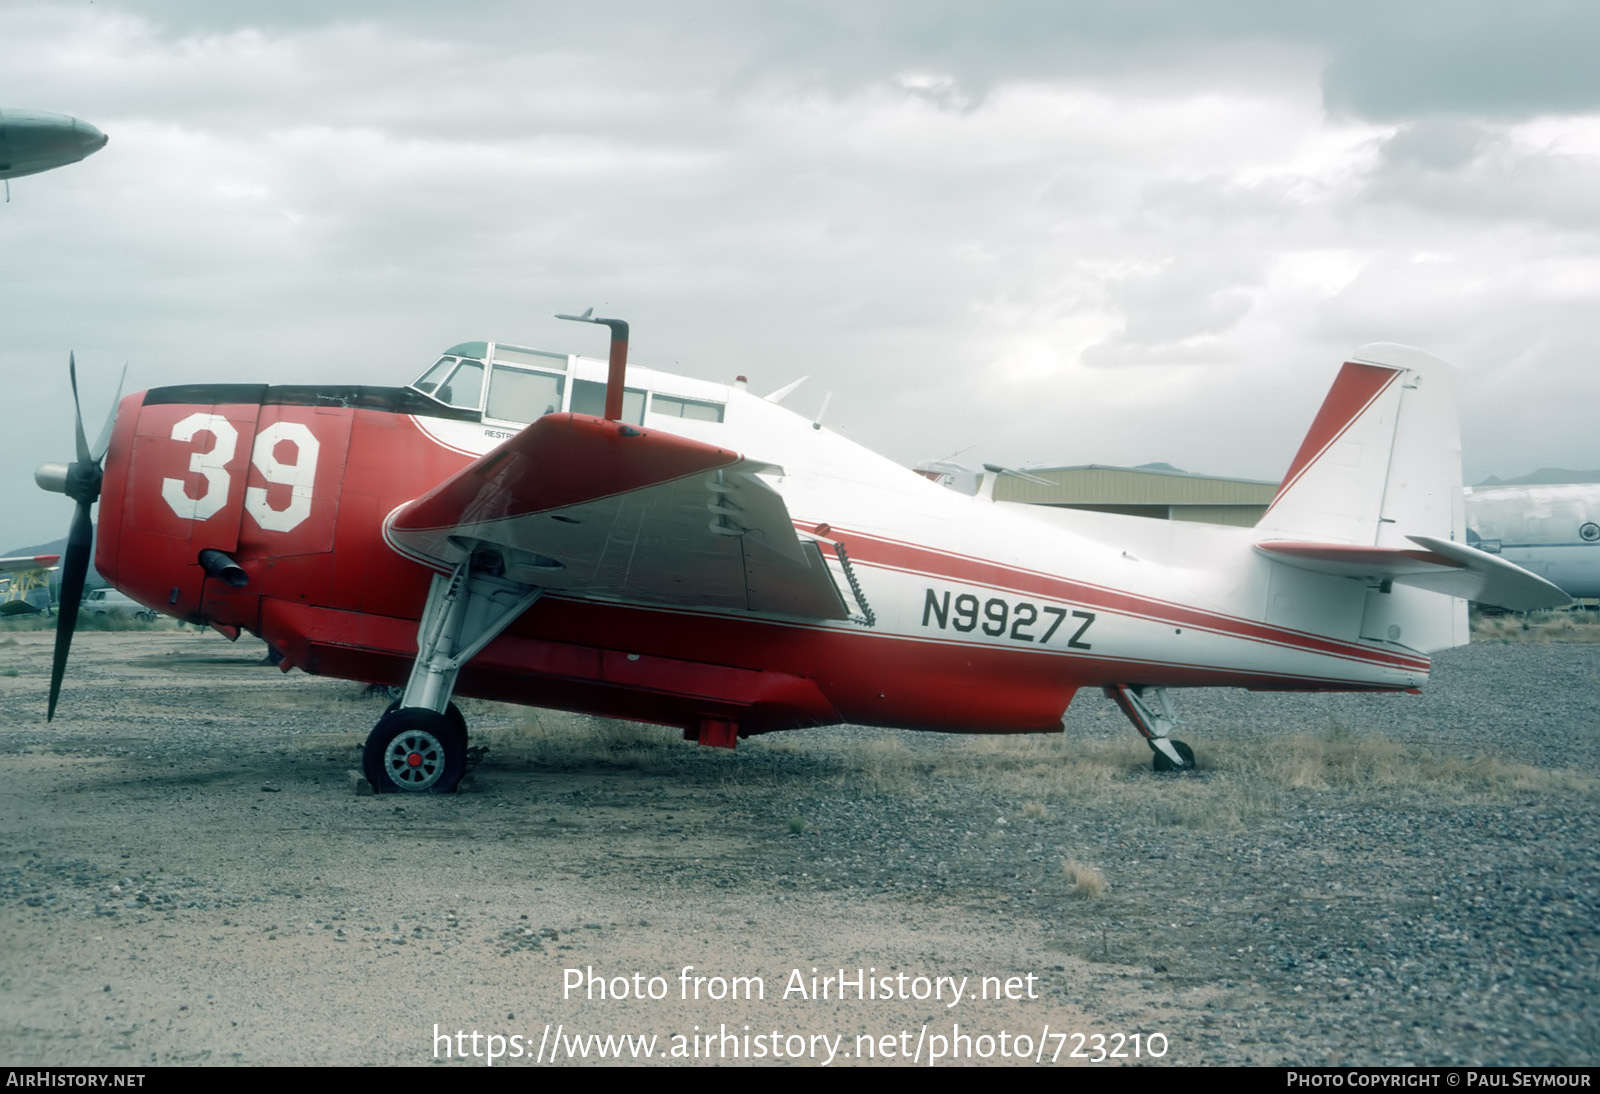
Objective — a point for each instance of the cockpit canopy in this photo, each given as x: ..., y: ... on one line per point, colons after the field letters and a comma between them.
x: 525, y: 384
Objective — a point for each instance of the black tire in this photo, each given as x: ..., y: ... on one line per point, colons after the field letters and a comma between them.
x: 415, y: 751
x: 452, y: 712
x: 1160, y: 762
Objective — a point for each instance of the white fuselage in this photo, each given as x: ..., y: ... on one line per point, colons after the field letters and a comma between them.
x: 1121, y: 599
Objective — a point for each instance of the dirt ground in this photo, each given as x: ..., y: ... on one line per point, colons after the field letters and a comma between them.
x: 188, y: 874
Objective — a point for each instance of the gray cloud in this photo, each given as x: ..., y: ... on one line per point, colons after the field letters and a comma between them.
x: 1022, y: 225
x: 1456, y: 169
x: 1480, y: 59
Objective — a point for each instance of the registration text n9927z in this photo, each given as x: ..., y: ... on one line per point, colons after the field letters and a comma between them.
x: 997, y: 617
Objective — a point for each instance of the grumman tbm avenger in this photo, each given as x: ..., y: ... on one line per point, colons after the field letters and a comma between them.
x: 560, y: 531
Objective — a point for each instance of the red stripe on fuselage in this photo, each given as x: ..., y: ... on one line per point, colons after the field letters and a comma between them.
x: 1355, y: 389
x: 910, y: 558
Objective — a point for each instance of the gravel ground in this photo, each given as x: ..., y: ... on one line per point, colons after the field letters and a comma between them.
x: 188, y: 875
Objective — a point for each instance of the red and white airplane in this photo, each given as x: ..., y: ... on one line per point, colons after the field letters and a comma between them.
x: 670, y: 550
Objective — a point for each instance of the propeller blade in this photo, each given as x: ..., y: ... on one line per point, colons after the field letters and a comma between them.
x: 74, y: 569
x: 82, y: 483
x: 104, y: 440
x: 77, y: 410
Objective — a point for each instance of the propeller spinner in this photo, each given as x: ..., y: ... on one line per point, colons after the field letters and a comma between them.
x: 80, y: 481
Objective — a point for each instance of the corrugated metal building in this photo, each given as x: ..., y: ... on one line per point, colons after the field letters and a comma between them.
x: 1154, y: 490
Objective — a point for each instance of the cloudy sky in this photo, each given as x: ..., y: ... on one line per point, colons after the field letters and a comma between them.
x: 1040, y: 233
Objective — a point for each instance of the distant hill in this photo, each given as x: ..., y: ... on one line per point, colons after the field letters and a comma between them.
x: 57, y: 547
x: 1545, y: 476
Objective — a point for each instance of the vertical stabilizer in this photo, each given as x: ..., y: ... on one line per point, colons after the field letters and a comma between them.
x: 1382, y: 459
x: 1381, y: 462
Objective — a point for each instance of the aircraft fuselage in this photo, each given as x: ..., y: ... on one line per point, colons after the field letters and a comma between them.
x: 32, y: 141
x: 983, y: 616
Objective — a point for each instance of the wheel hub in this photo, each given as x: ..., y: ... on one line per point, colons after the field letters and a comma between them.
x: 415, y: 760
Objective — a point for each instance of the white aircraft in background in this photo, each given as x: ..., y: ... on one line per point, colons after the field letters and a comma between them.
x: 32, y: 141
x: 1552, y: 531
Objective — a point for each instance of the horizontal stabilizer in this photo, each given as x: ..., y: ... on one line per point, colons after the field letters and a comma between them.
x: 1440, y: 566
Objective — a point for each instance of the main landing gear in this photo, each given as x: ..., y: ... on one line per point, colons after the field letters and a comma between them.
x: 420, y: 743
x: 416, y: 749
x: 1150, y: 711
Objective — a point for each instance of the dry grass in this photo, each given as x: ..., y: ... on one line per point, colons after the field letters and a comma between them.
x: 113, y: 621
x: 555, y: 739
x: 1084, y: 882
x: 883, y: 764
x: 1239, y: 779
x: 1339, y: 759
x: 1040, y: 766
x: 1537, y: 627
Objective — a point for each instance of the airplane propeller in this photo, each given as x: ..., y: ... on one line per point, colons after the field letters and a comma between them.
x: 80, y: 481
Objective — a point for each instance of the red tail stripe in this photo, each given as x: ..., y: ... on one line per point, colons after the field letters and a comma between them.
x: 1355, y: 389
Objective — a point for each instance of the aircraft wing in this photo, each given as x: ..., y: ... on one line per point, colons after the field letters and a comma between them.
x: 17, y: 574
x: 592, y: 507
x: 21, y: 564
x: 1440, y: 565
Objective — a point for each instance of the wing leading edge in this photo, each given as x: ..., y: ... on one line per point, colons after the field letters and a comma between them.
x: 592, y: 507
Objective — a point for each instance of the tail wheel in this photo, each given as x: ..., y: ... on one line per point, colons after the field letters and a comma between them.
x: 415, y: 750
x: 1161, y: 763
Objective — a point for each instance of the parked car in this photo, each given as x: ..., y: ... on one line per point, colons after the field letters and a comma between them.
x: 104, y: 602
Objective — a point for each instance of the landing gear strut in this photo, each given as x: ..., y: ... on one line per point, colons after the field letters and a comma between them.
x: 420, y: 743
x: 1150, y: 711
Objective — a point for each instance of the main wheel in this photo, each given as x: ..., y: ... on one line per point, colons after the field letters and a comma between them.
x: 1160, y: 761
x: 451, y: 711
x: 415, y: 750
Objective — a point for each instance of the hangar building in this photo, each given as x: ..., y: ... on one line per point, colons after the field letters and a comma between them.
x: 1152, y: 490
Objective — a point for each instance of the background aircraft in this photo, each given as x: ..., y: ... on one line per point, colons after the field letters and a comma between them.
x: 25, y: 583
x: 1552, y: 530
x: 669, y: 550
x: 32, y: 141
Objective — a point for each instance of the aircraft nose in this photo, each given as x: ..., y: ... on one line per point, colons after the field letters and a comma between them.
x: 90, y: 139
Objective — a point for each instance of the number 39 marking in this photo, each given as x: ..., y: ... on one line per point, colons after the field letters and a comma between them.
x: 299, y: 476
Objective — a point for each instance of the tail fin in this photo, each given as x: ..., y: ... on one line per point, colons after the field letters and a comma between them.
x: 1374, y: 496
x: 1382, y: 460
